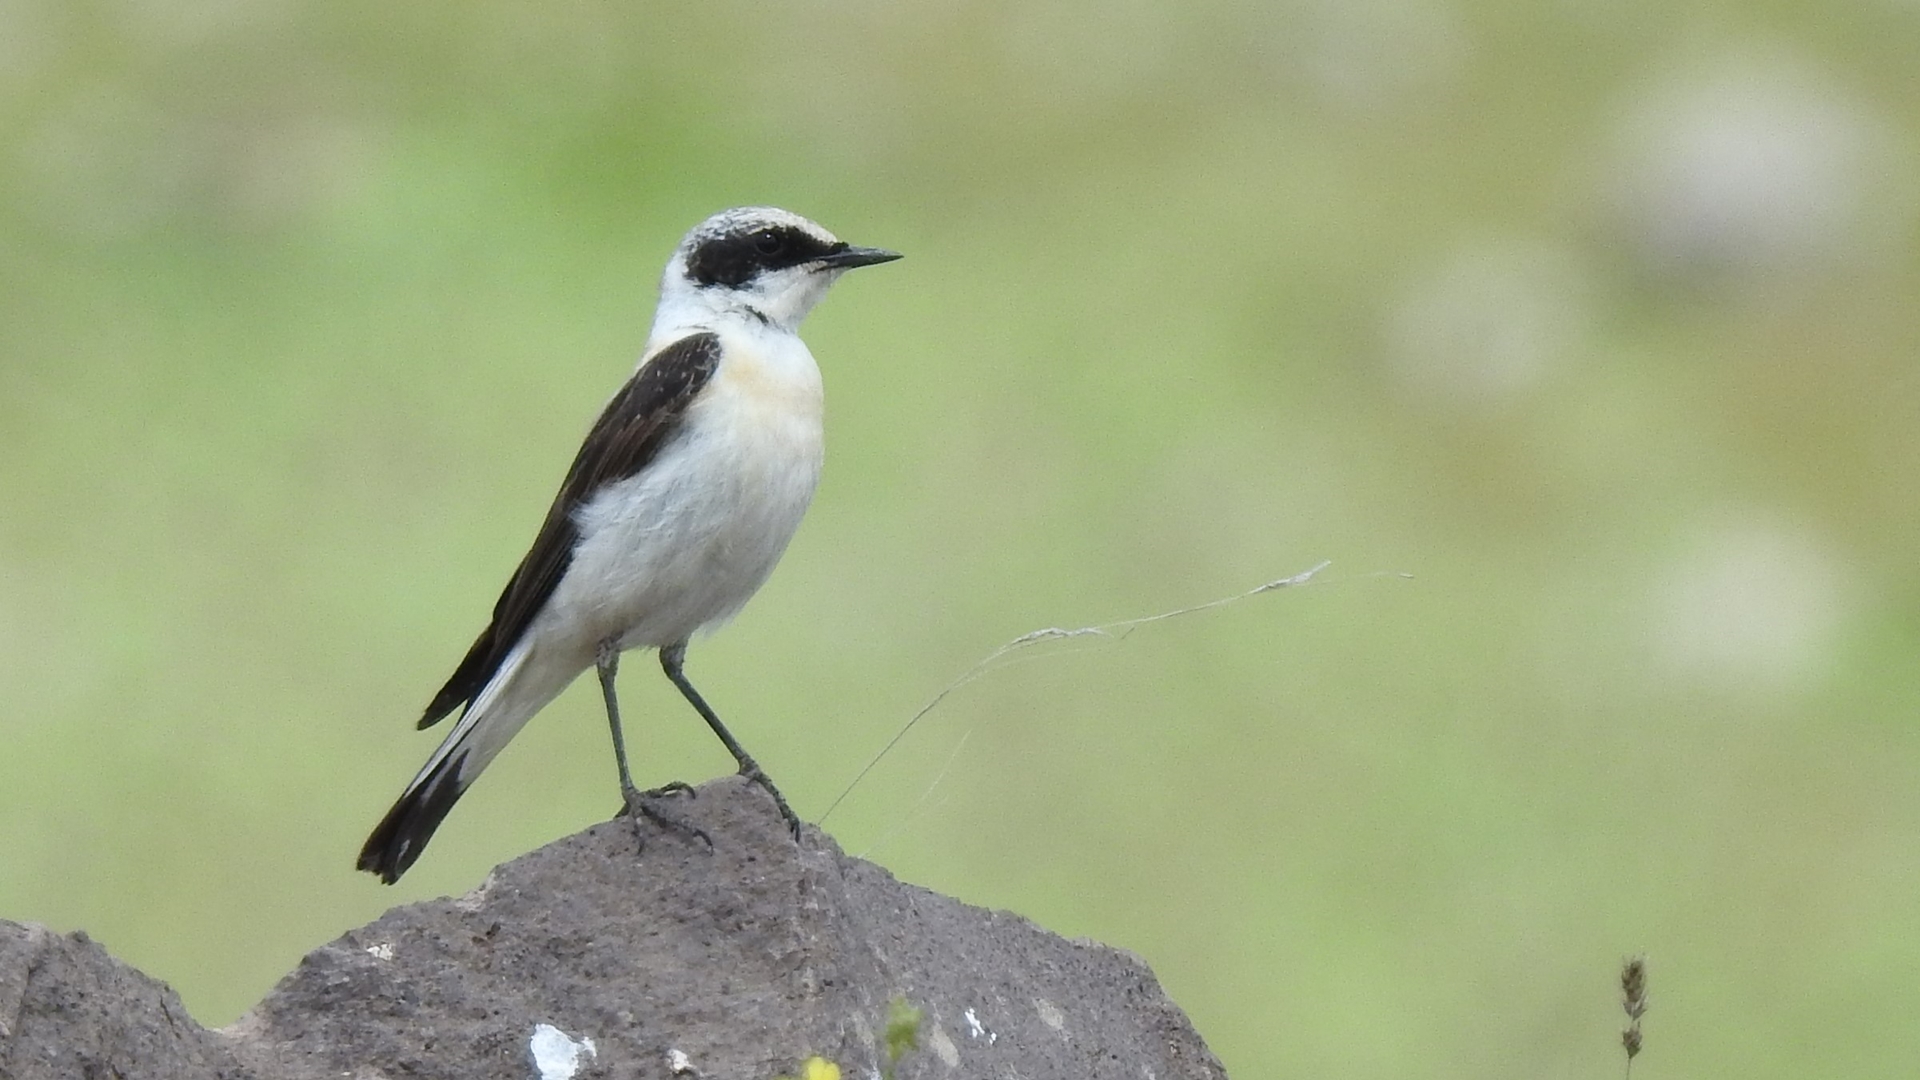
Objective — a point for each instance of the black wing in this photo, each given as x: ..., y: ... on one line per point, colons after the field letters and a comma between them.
x: 629, y: 433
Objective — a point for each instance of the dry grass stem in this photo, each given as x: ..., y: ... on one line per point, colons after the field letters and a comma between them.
x: 1114, y: 631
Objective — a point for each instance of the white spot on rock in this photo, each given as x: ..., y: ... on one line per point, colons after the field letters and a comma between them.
x: 1050, y: 1014
x: 557, y: 1055
x: 975, y: 1028
x: 382, y: 951
x: 679, y: 1064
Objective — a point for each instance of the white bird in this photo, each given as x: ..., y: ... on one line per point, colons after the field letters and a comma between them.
x: 680, y: 501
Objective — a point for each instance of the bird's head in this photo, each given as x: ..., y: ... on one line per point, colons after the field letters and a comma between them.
x: 759, y: 261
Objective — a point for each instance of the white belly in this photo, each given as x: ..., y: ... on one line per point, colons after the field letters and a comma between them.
x: 681, y: 547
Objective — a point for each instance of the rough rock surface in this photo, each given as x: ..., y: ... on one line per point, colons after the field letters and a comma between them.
x: 739, y: 962
x: 67, y: 1009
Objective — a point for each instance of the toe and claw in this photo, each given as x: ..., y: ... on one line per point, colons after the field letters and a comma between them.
x: 639, y: 804
x: 645, y: 804
x: 754, y: 775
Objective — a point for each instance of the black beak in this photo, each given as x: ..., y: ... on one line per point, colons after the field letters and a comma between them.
x: 849, y: 257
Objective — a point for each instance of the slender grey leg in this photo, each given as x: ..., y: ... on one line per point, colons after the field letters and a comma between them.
x: 638, y: 802
x: 672, y: 659
x: 608, y: 663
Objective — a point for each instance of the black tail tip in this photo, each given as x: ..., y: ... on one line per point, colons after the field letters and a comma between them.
x: 377, y: 864
x: 402, y: 835
x: 388, y: 853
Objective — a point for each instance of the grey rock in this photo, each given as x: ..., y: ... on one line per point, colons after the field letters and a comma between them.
x: 740, y: 962
x: 68, y: 1010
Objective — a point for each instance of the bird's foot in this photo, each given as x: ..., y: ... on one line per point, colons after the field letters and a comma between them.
x: 643, y: 804
x: 754, y: 775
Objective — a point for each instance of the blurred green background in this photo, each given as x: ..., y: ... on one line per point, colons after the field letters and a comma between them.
x: 1597, y: 319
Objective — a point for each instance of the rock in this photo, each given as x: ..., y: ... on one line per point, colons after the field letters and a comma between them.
x: 739, y: 962
x: 69, y: 1010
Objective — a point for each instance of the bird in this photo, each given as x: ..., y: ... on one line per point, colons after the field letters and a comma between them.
x: 681, y: 499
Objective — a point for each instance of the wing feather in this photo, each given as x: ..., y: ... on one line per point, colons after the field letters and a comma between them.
x: 641, y: 418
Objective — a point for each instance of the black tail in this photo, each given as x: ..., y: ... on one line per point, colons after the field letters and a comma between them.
x: 400, y: 837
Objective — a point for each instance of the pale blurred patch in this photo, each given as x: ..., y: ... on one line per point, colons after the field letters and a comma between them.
x: 158, y: 24
x: 50, y: 663
x: 112, y: 163
x: 1051, y: 44
x: 1488, y: 322
x: 1375, y: 54
x: 276, y: 172
x: 1755, y: 166
x: 30, y: 36
x: 1750, y: 603
x: 106, y: 164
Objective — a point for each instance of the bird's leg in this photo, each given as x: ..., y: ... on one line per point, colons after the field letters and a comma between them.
x: 672, y: 659
x: 608, y: 663
x: 638, y: 803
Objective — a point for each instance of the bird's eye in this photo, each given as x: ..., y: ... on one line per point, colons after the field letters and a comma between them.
x: 769, y: 243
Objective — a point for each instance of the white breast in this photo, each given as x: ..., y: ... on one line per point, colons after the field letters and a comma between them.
x: 681, y: 546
